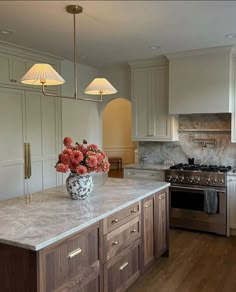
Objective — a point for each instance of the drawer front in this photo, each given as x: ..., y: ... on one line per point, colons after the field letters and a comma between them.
x: 144, y: 174
x: 123, y: 270
x: 71, y: 260
x: 117, y: 219
x: 120, y: 238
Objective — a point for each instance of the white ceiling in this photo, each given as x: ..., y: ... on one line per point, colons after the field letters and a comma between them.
x: 110, y: 32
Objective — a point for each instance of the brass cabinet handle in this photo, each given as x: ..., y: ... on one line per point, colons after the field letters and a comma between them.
x: 133, y: 230
x: 124, y: 266
x: 74, y: 253
x: 114, y: 220
x: 29, y: 161
x: 161, y: 197
x: 133, y: 211
x: 148, y: 205
x: 26, y: 160
x: 115, y: 242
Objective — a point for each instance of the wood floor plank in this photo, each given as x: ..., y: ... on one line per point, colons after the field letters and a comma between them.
x: 198, y: 262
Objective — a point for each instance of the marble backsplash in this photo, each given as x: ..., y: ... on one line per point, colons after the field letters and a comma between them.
x: 217, y: 150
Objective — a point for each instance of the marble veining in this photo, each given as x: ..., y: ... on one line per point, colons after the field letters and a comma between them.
x: 223, y: 153
x: 38, y: 220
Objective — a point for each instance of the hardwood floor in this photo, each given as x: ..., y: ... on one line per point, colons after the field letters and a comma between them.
x: 198, y: 262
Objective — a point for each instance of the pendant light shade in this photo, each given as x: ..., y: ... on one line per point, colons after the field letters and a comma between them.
x: 100, y: 86
x: 42, y: 73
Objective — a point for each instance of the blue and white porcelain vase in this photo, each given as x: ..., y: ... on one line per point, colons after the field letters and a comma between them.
x: 79, y: 186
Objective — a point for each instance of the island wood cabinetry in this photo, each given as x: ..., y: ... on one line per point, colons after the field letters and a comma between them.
x: 106, y: 256
x: 231, y: 195
x: 149, y: 92
x: 155, y: 214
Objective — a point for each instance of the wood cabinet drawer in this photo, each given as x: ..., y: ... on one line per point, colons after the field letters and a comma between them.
x: 73, y: 259
x: 120, y: 238
x: 117, y: 219
x: 158, y: 175
x: 121, y: 271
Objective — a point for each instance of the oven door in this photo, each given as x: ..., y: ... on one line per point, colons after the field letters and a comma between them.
x: 187, y: 209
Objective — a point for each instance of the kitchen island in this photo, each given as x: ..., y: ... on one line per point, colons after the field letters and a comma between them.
x: 49, y: 242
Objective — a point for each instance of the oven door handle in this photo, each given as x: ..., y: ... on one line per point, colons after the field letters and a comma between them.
x: 198, y: 189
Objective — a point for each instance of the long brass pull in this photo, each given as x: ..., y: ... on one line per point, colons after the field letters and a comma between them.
x: 124, y: 266
x: 74, y: 253
x: 148, y: 205
x: 26, y: 160
x: 29, y: 161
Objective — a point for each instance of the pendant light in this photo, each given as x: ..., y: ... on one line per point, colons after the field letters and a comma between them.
x: 45, y: 75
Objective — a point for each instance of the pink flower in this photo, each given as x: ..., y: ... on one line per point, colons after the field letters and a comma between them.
x: 68, y: 151
x: 99, y: 169
x: 99, y: 157
x: 67, y: 141
x: 81, y: 169
x: 91, y: 161
x: 78, y: 155
x: 62, y: 167
x: 65, y: 159
x: 91, y: 153
x: 92, y: 147
x: 106, y: 166
x: 73, y: 165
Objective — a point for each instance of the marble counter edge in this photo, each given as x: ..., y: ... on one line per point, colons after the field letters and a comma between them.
x: 157, y: 167
x: 82, y: 226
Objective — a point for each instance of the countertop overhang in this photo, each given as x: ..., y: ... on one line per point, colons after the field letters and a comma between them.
x: 40, y: 219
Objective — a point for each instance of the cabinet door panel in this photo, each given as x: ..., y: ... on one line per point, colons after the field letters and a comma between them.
x: 5, y: 65
x: 148, y: 231
x: 161, y: 225
x: 159, y: 101
x: 19, y: 68
x: 12, y: 141
x: 140, y: 103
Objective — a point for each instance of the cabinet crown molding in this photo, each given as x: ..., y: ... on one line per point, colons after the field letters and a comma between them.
x: 151, y: 62
x: 21, y: 51
x: 198, y: 52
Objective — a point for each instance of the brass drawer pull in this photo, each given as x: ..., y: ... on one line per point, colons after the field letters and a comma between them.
x: 115, y: 242
x: 133, y: 211
x: 161, y: 197
x: 124, y: 266
x: 133, y: 230
x: 74, y: 253
x: 114, y: 221
x: 148, y: 205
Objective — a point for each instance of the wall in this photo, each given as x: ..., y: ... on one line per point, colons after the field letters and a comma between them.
x: 119, y: 77
x: 223, y: 153
x: 80, y: 119
x: 117, y: 130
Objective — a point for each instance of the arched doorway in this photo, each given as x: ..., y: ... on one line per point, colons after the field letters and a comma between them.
x: 117, y: 136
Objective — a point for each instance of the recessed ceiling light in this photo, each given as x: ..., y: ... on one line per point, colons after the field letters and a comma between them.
x: 231, y: 36
x: 6, y: 31
x: 154, y: 47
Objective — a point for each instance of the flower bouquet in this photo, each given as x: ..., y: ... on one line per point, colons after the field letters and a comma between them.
x: 81, y: 160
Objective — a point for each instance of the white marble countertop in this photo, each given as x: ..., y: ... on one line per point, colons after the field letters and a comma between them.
x: 147, y: 166
x: 38, y: 220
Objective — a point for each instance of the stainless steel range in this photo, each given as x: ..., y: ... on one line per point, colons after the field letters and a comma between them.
x: 189, y: 186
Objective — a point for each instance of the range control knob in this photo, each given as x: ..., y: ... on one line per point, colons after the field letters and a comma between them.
x: 181, y: 178
x: 169, y: 178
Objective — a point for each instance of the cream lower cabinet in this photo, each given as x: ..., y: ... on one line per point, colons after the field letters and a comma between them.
x: 28, y: 117
x: 149, y: 91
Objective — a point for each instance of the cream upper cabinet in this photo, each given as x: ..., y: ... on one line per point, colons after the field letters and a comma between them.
x: 14, y: 67
x: 149, y: 87
x: 201, y: 81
